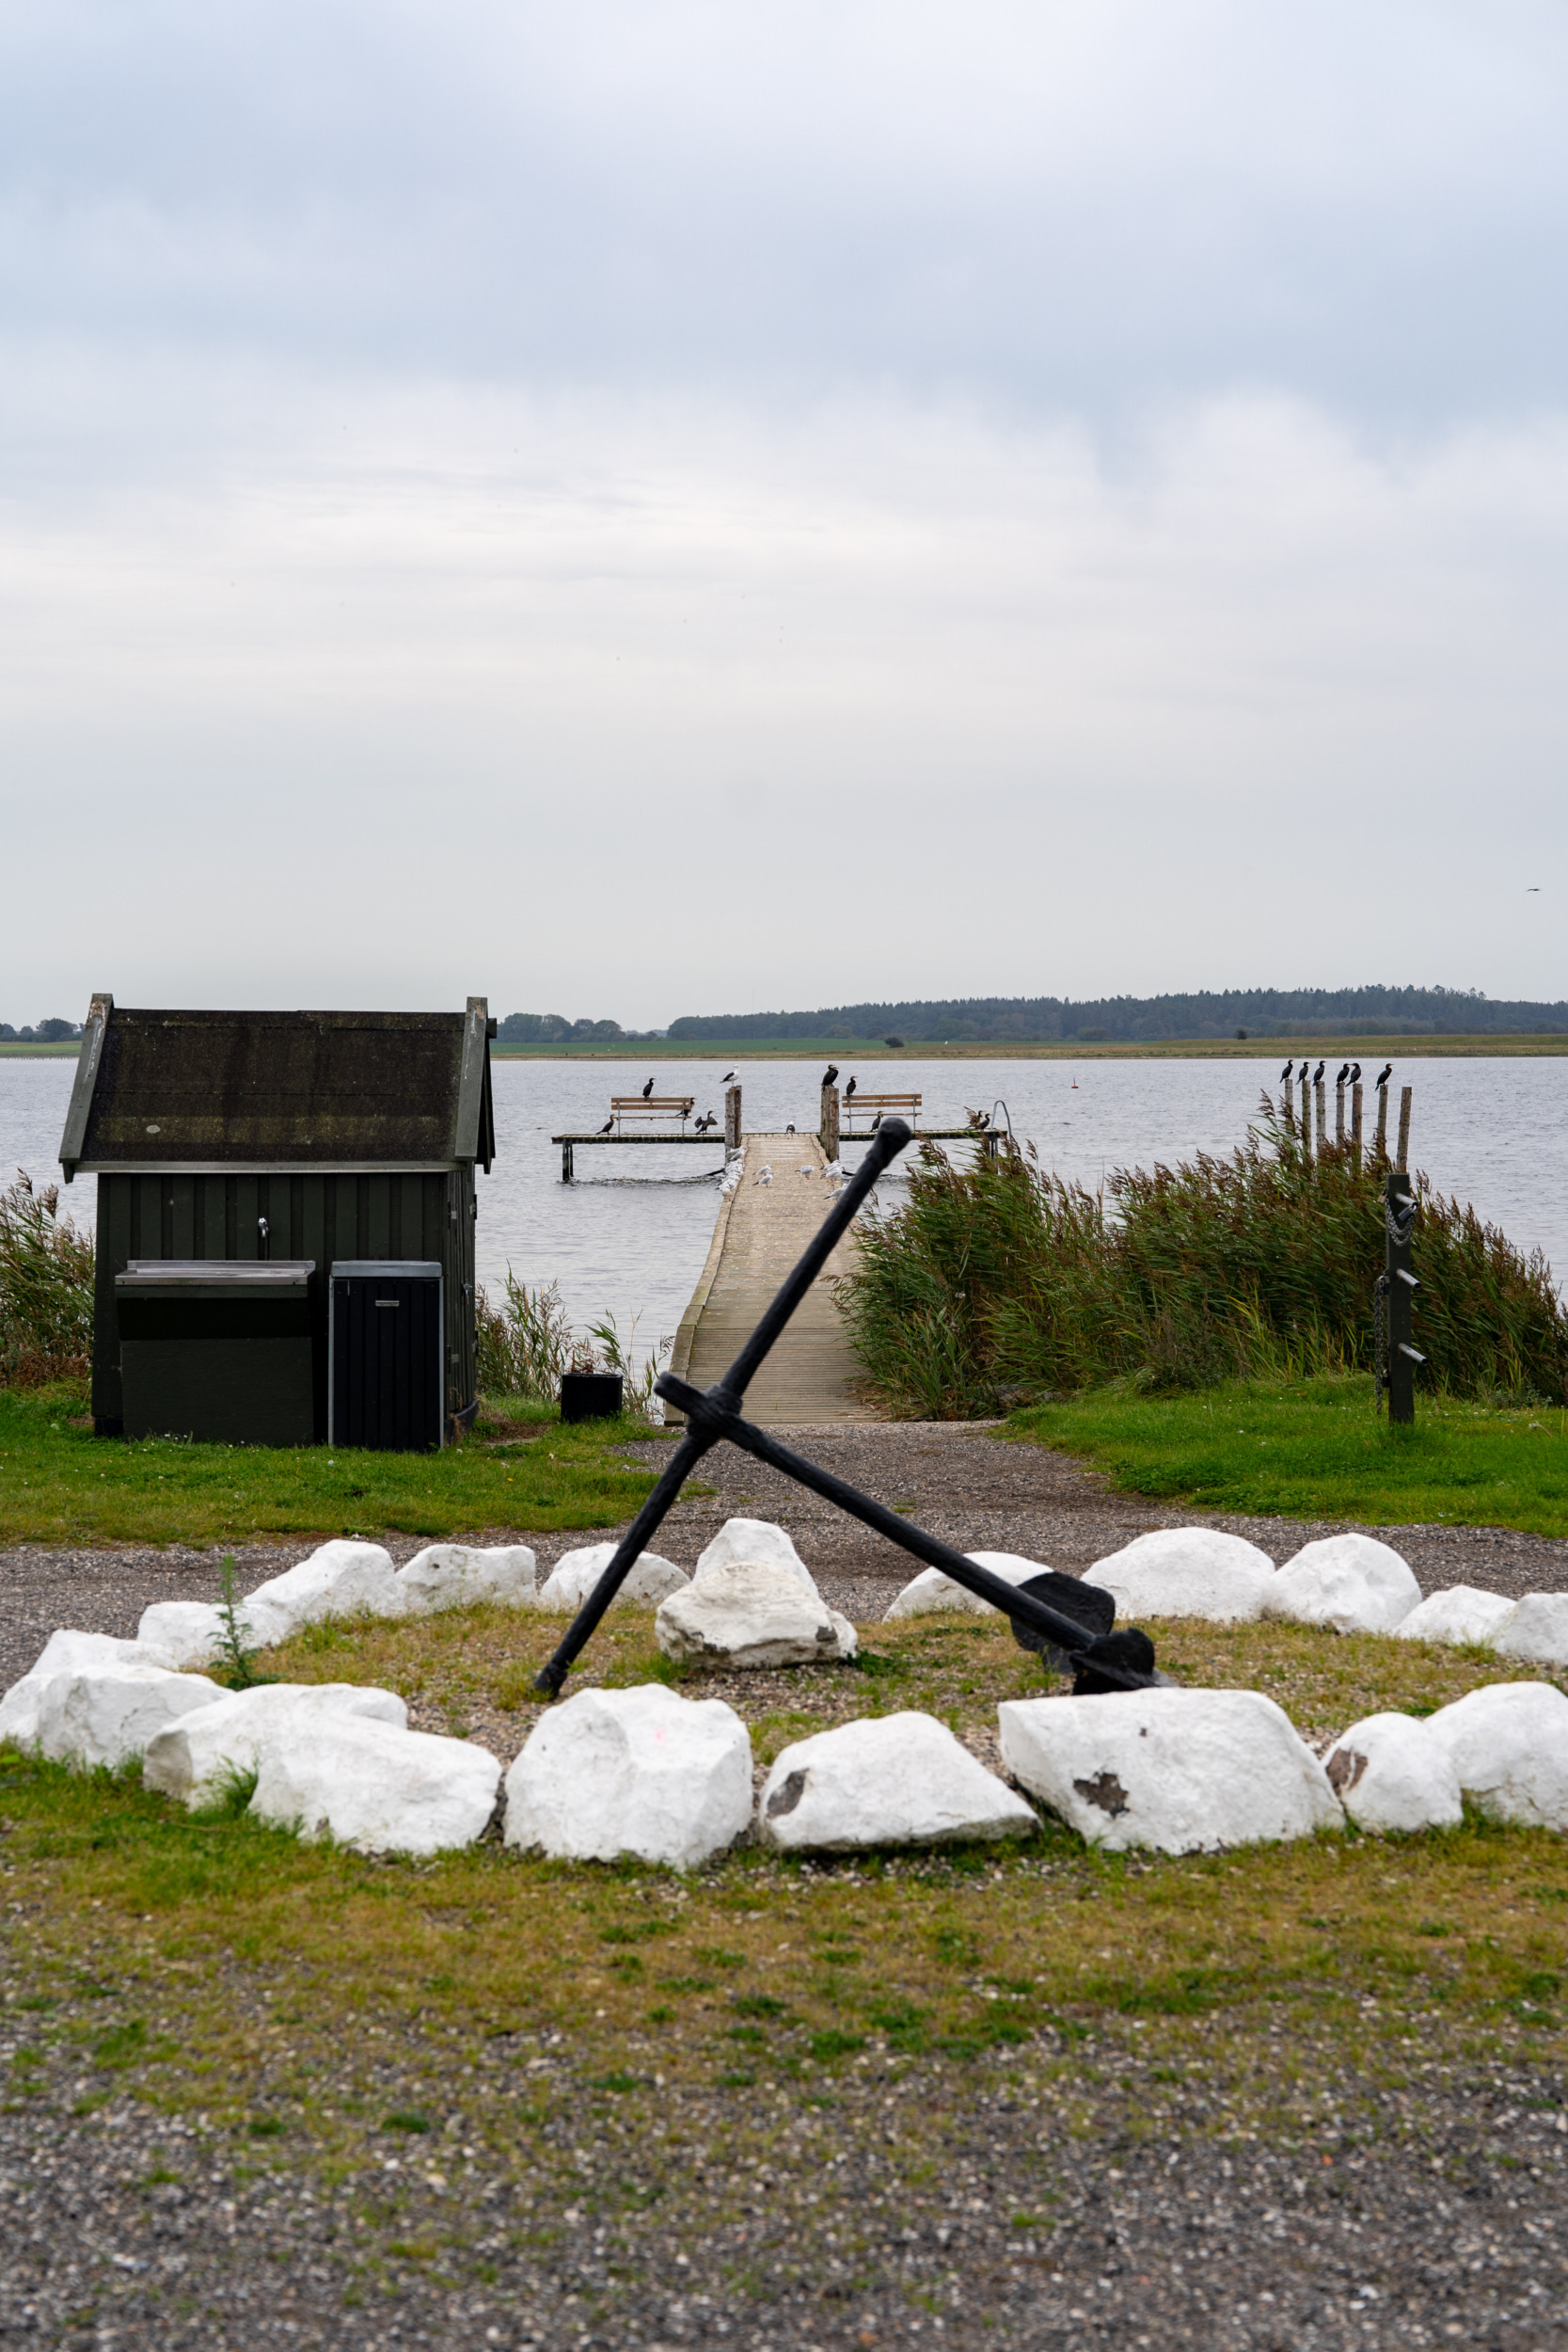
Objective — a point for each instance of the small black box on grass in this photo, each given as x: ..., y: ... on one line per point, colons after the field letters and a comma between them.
x: 218, y: 1350
x: 384, y: 1355
x: 590, y: 1395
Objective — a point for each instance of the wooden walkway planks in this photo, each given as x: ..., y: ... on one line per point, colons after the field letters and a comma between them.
x: 760, y: 1232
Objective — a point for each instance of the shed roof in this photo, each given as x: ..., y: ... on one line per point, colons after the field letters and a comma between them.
x: 280, y: 1090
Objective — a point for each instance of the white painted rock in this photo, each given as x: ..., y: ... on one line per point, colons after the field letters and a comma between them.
x: 750, y: 1612
x: 755, y: 1540
x: 192, y: 1758
x: 340, y: 1580
x: 448, y: 1575
x: 1390, y: 1773
x: 65, y: 1652
x: 1508, y: 1746
x: 888, y: 1780
x: 377, y: 1788
x: 576, y: 1573
x: 642, y: 1772
x: 183, y: 1633
x: 933, y: 1590
x: 1536, y: 1629
x: 107, y: 1714
x: 1187, y: 1572
x: 1462, y: 1613
x: 1182, y: 1770
x: 1351, y: 1582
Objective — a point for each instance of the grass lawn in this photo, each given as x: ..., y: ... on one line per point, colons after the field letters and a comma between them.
x: 517, y: 1469
x: 465, y: 2056
x: 1313, y: 1448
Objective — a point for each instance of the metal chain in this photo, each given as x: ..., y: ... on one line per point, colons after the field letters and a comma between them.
x: 1380, y: 1341
x: 1399, y: 1227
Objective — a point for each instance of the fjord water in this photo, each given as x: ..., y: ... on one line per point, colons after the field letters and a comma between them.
x: 630, y: 1235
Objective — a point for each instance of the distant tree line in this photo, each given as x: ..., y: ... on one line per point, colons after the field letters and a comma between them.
x: 553, y: 1028
x: 46, y: 1033
x: 1260, y: 1012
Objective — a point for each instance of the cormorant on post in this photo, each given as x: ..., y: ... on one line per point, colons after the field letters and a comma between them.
x: 851, y: 1088
x: 830, y: 1076
x: 647, y: 1089
x: 1302, y: 1074
x: 1344, y: 1073
x: 609, y: 1123
x: 1318, y: 1073
x: 1285, y: 1074
x: 1384, y: 1075
x: 1356, y: 1073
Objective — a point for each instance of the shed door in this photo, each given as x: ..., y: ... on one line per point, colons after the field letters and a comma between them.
x: 385, y: 1352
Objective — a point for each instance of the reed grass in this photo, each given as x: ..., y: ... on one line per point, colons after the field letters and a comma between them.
x: 46, y: 1287
x: 999, y: 1284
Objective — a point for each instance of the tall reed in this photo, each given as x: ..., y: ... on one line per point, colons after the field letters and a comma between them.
x: 999, y: 1282
x: 46, y: 1287
x: 525, y: 1343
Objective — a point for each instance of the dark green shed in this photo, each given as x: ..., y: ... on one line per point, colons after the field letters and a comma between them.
x: 277, y: 1135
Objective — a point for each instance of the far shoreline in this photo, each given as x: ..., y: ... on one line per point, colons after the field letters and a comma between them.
x: 1467, y: 1044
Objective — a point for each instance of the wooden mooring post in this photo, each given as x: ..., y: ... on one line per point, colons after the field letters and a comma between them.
x: 1290, y: 1096
x: 1403, y: 1157
x: 1321, y: 1094
x: 827, y: 1132
x: 1356, y: 1097
x: 1340, y: 1112
x: 732, y: 1119
x: 1382, y: 1121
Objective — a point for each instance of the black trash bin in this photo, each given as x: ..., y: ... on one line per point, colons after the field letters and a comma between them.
x: 218, y: 1350
x: 383, y: 1381
x: 590, y: 1395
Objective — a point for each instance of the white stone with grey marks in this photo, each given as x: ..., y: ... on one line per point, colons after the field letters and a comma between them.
x: 642, y: 1771
x: 452, y: 1576
x: 107, y: 1714
x: 65, y: 1652
x: 1461, y: 1614
x: 1535, y: 1631
x: 1183, y: 1771
x: 649, y: 1580
x: 377, y: 1788
x: 1351, y: 1582
x: 888, y: 1780
x: 341, y: 1578
x: 934, y: 1591
x: 1508, y: 1745
x: 751, y: 1613
x: 755, y: 1540
x: 1390, y: 1773
x: 1187, y: 1572
x: 195, y: 1759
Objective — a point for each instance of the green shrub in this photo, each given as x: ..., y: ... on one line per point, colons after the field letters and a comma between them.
x: 46, y: 1288
x: 998, y: 1284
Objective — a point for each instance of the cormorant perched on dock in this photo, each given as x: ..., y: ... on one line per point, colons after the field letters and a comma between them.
x: 609, y: 1123
x: 647, y: 1089
x: 1344, y: 1073
x: 851, y: 1088
x: 1356, y: 1073
x: 876, y: 1122
x: 1318, y: 1073
x: 830, y: 1076
x: 1384, y: 1075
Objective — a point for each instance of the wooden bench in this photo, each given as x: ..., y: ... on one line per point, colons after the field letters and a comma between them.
x: 666, y: 1106
x: 878, y: 1106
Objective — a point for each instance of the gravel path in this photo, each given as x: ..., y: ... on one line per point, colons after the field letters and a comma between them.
x: 954, y: 1478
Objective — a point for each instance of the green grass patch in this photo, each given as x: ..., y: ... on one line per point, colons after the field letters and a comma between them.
x: 1315, y: 1449
x: 60, y: 1485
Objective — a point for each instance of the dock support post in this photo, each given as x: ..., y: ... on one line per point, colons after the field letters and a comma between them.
x: 827, y: 1132
x: 565, y: 1163
x: 1403, y: 1160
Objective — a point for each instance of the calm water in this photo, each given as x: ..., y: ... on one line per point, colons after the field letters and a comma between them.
x: 631, y: 1234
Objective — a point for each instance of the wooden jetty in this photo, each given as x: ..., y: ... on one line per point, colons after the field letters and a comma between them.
x: 760, y: 1232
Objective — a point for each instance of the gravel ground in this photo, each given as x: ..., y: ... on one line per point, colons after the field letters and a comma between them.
x: 954, y: 1478
x: 1425, y: 2204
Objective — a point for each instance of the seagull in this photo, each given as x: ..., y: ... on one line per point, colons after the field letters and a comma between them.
x: 1344, y: 1073
x: 609, y: 1123
x: 1384, y: 1075
x: 728, y: 1078
x: 1318, y: 1074
x: 1285, y: 1074
x: 830, y: 1076
x: 790, y: 1129
x: 1356, y: 1073
x: 851, y: 1088
x: 647, y: 1089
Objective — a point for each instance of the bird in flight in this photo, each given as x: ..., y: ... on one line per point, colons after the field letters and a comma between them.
x: 851, y: 1088
x: 830, y: 1076
x: 1533, y: 890
x: 647, y: 1089
x: 1383, y: 1074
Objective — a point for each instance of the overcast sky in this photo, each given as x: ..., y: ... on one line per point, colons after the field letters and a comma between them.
x: 653, y: 508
